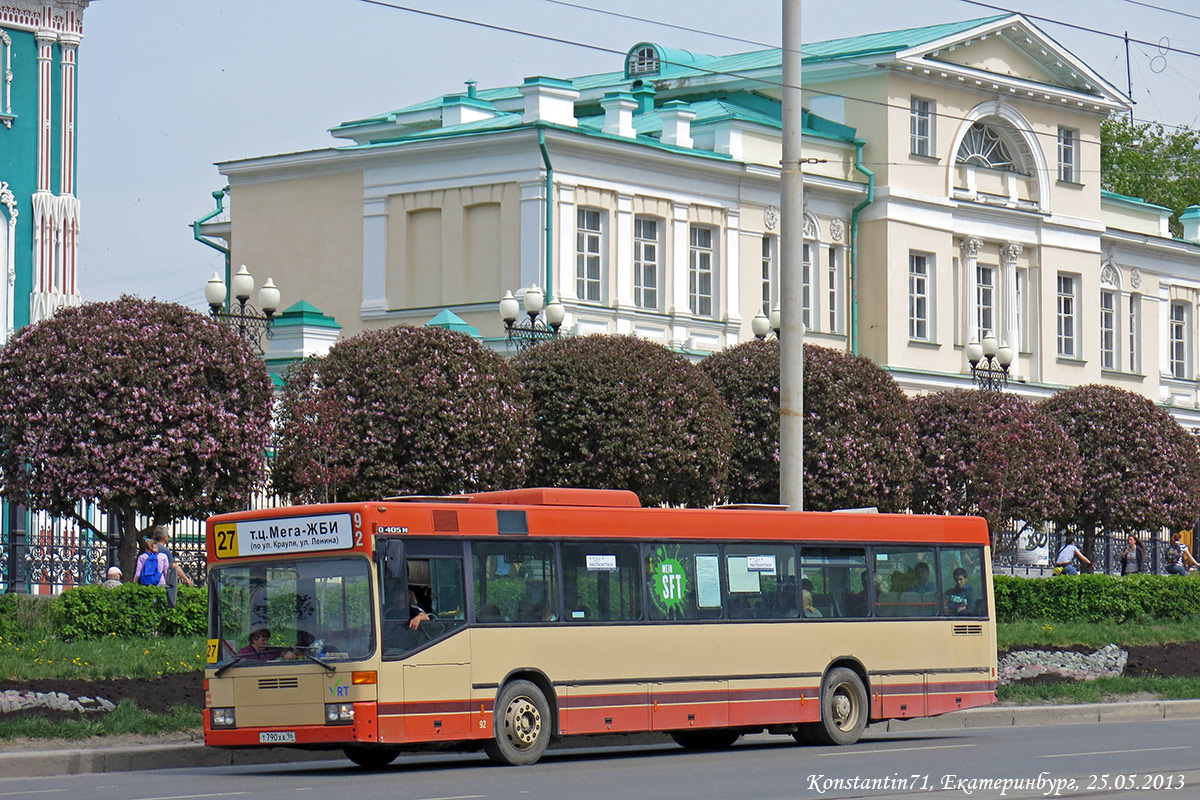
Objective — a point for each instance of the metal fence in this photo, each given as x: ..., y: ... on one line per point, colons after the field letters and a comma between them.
x: 1030, y: 550
x: 43, y: 554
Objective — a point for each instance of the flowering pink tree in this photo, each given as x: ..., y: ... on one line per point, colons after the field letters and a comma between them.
x: 992, y: 454
x: 1139, y: 466
x: 858, y: 428
x: 315, y: 454
x: 419, y: 411
x: 618, y: 412
x: 143, y: 407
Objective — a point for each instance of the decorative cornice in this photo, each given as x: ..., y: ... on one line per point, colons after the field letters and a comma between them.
x: 59, y: 16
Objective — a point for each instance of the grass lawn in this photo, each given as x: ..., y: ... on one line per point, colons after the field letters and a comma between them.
x: 99, y: 659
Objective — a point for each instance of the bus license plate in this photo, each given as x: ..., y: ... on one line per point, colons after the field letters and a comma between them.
x: 277, y: 737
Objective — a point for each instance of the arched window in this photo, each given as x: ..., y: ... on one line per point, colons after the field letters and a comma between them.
x: 983, y: 146
x: 642, y: 61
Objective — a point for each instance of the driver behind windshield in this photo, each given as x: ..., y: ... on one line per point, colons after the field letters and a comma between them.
x: 258, y: 650
x: 400, y: 611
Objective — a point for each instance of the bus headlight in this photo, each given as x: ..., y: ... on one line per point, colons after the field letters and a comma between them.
x: 339, y: 713
x: 222, y: 718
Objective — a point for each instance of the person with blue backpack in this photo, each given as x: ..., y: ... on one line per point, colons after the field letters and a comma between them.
x: 152, y: 566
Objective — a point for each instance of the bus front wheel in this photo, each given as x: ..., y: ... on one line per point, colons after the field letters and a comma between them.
x: 843, y: 708
x: 521, y: 725
x: 371, y: 757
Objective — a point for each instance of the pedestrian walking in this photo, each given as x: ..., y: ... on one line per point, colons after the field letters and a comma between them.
x: 1178, y: 558
x: 175, y: 573
x: 1064, y: 563
x: 1133, y: 557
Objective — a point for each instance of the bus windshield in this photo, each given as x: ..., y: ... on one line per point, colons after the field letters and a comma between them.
x: 284, y: 610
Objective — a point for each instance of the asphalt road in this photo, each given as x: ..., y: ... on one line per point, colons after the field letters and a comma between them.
x: 1119, y: 760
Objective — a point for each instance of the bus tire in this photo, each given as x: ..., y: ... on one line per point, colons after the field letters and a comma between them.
x: 705, y: 740
x: 806, y: 733
x: 371, y: 757
x: 521, y: 725
x: 843, y: 708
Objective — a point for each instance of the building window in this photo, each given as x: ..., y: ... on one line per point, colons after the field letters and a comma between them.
x: 700, y: 271
x: 587, y: 254
x: 1108, y: 330
x: 920, y: 126
x: 1068, y: 155
x: 1134, y: 332
x: 1022, y: 277
x: 985, y: 300
x: 1179, y: 339
x: 1067, y: 344
x: 918, y: 297
x: 645, y: 262
x: 984, y: 147
x: 642, y: 61
x: 806, y: 287
x: 834, y: 289
x: 768, y: 273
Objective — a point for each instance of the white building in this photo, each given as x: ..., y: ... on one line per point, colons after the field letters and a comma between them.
x: 953, y: 190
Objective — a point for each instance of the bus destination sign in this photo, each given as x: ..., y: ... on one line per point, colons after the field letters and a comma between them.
x: 262, y: 537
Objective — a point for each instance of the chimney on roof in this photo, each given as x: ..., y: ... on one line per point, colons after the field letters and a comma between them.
x: 644, y: 94
x: 458, y: 110
x: 677, y: 119
x: 618, y: 114
x: 1191, y: 223
x: 549, y: 100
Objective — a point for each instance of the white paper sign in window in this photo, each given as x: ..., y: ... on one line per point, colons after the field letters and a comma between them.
x: 761, y: 564
x: 602, y: 563
x: 708, y: 582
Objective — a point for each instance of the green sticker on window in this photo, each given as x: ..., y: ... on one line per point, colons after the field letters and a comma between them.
x: 669, y: 582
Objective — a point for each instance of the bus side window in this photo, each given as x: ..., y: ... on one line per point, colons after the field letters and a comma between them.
x: 834, y: 577
x: 684, y: 580
x: 962, y: 581
x: 601, y: 582
x: 762, y: 581
x: 908, y: 582
x: 515, y: 581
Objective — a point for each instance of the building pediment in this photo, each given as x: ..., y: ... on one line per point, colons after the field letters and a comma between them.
x: 1010, y: 55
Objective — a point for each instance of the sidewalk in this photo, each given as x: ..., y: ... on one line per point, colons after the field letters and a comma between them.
x: 23, y: 761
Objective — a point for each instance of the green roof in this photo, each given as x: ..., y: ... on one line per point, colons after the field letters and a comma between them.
x: 1131, y: 201
x: 683, y: 64
x: 305, y: 313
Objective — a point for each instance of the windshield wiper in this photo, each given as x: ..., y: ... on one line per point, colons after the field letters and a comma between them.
x: 228, y: 664
x: 330, y: 669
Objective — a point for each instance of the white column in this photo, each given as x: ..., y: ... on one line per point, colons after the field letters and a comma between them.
x: 564, y: 282
x: 731, y: 271
x: 970, y: 259
x: 1009, y: 253
x: 375, y: 247
x: 623, y: 247
x: 678, y: 301
x: 533, y: 238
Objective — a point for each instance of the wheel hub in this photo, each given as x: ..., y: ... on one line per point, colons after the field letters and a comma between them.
x: 522, y: 722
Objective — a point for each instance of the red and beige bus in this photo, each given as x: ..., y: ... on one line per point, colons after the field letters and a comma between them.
x: 505, y: 619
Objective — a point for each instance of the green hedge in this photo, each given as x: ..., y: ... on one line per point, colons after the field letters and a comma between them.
x: 1097, y: 598
x: 90, y: 612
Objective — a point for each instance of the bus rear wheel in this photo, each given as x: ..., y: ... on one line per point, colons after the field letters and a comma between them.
x: 521, y: 725
x: 705, y: 740
x: 371, y: 757
x: 843, y: 708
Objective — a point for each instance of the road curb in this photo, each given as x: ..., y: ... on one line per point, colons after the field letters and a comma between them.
x: 79, y: 761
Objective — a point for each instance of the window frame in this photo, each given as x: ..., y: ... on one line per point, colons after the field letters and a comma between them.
x: 1179, y: 339
x: 702, y: 264
x: 585, y: 236
x: 770, y: 273
x: 1134, y: 332
x: 985, y: 300
x: 1068, y: 154
x: 1109, y: 332
x: 919, y: 297
x: 643, y: 266
x: 1066, y: 315
x: 921, y: 115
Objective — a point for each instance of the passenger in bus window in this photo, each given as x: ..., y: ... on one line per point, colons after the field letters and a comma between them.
x: 400, y: 611
x: 960, y: 598
x: 809, y: 610
x: 921, y: 575
x: 856, y: 603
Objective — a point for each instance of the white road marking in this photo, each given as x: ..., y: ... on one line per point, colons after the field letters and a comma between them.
x: 32, y: 791
x: 457, y: 797
x: 1115, y: 752
x: 861, y: 752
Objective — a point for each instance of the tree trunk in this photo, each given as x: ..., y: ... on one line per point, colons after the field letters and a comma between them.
x: 130, y: 545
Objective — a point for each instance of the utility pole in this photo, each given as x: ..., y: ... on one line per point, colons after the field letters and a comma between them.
x: 791, y: 272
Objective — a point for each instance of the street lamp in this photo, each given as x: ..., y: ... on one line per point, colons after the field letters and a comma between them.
x: 989, y: 363
x: 530, y: 330
x: 245, y: 320
x: 761, y: 325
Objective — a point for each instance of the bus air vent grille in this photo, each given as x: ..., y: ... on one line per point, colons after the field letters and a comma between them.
x: 278, y: 683
x: 968, y: 630
x: 446, y: 521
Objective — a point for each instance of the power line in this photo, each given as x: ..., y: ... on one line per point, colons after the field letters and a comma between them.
x: 1161, y: 8
x: 671, y: 25
x: 754, y: 79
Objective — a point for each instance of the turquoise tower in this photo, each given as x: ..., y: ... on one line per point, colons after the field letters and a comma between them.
x: 39, y: 210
